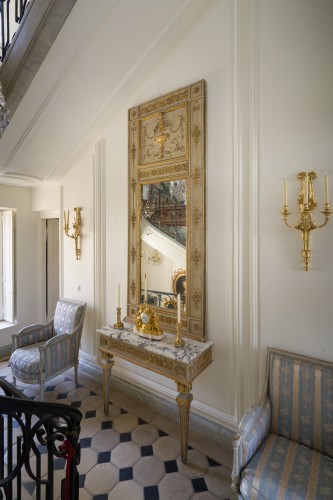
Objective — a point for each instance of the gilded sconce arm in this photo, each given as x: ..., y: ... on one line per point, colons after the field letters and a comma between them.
x: 76, y: 229
x: 307, y: 204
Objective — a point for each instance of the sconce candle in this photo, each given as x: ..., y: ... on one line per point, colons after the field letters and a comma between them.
x: 145, y: 289
x: 178, y: 308
x: 306, y: 190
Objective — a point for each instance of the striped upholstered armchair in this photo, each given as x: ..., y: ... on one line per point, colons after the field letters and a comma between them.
x: 40, y: 352
x: 284, y: 445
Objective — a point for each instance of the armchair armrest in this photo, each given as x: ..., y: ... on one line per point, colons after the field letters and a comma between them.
x: 32, y: 334
x: 58, y: 353
x: 253, y: 429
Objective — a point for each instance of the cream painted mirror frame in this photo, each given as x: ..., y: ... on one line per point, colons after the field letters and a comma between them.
x: 154, y: 158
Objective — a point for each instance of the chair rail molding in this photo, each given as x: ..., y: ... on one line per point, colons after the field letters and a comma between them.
x: 246, y: 343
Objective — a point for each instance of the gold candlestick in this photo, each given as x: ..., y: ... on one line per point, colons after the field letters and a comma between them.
x: 179, y: 342
x: 118, y: 325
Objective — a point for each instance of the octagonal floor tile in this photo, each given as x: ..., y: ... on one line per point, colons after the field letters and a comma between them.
x: 144, y: 434
x: 166, y: 448
x: 78, y: 394
x: 114, y: 412
x: 105, y: 440
x: 92, y: 403
x: 125, y: 454
x: 88, y: 460
x: 101, y: 478
x: 175, y: 487
x: 148, y: 471
x: 90, y: 427
x: 126, y: 489
x: 218, y: 481
x: 126, y: 422
x: 196, y: 465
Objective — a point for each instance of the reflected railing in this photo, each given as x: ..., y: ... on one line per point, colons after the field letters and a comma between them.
x: 163, y: 299
x: 11, y: 14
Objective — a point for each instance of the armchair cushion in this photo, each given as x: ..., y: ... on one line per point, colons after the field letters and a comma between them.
x: 67, y: 317
x: 287, y: 450
x: 24, y: 362
x: 282, y: 468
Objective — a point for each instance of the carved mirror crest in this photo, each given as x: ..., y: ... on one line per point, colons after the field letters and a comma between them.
x: 166, y: 249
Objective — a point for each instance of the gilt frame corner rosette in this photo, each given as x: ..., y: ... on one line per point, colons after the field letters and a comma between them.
x: 166, y: 141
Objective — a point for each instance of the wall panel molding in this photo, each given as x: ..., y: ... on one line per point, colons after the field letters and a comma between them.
x: 246, y: 204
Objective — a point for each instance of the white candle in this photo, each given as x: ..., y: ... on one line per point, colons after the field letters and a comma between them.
x: 285, y: 191
x: 118, y: 295
x: 326, y: 189
x: 145, y: 289
x: 178, y: 308
x: 306, y: 190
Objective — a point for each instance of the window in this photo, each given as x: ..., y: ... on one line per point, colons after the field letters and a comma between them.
x: 7, y: 268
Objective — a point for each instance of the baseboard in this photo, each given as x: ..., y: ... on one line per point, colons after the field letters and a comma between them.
x: 5, y: 352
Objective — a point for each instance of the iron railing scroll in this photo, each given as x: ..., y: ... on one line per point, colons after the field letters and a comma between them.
x: 34, y: 438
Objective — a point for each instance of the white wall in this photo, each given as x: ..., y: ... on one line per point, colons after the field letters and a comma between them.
x: 268, y: 67
x: 26, y: 258
x: 296, y: 131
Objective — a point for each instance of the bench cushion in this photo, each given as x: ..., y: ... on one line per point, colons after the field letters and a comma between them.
x: 284, y: 469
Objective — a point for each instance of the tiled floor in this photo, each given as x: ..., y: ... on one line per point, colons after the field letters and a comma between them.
x: 134, y: 453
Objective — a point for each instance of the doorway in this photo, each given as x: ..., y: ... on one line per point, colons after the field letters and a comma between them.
x: 51, y: 267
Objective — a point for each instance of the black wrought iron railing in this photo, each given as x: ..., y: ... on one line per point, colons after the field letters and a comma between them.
x: 37, y: 439
x: 11, y: 14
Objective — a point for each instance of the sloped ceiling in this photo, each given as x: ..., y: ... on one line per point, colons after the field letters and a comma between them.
x: 87, y: 74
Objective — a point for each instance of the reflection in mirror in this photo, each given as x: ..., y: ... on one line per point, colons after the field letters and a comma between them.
x: 163, y: 243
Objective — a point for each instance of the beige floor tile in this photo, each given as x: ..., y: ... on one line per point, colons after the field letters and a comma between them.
x: 114, y: 411
x: 126, y: 422
x: 126, y: 490
x: 92, y: 403
x: 78, y: 394
x: 196, y: 465
x: 101, y: 479
x: 89, y: 427
x: 125, y: 454
x: 148, y: 471
x: 174, y: 486
x: 88, y: 460
x: 105, y: 440
x: 145, y: 435
x: 205, y: 495
x: 218, y: 481
x: 166, y: 448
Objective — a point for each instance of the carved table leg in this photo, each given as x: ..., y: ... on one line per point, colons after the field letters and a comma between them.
x: 184, y: 399
x: 106, y: 364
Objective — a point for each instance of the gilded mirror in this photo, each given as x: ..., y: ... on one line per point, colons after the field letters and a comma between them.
x: 166, y: 249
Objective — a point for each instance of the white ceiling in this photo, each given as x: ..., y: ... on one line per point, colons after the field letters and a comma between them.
x: 102, y: 51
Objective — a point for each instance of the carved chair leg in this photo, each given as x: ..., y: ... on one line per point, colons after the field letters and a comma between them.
x: 75, y: 373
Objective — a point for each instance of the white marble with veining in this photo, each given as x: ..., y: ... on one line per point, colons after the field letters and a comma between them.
x: 191, y: 350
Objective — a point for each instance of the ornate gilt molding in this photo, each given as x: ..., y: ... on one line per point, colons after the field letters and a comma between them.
x: 163, y: 102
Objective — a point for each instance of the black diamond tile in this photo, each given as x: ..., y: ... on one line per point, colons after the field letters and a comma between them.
x: 76, y: 404
x: 126, y: 474
x: 85, y: 442
x: 104, y: 457
x: 107, y: 425
x: 42, y: 449
x: 50, y: 388
x: 59, y: 463
x: 62, y: 395
x: 82, y: 478
x: 146, y: 451
x: 90, y: 414
x: 123, y: 411
x: 141, y: 422
x: 125, y: 437
x: 161, y: 433
x: 100, y: 497
x: 212, y: 462
x: 199, y: 484
x: 30, y: 487
x: 92, y: 393
x: 151, y: 493
x: 171, y: 466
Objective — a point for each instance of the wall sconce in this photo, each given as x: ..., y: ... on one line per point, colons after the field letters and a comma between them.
x: 76, y: 227
x: 307, y: 203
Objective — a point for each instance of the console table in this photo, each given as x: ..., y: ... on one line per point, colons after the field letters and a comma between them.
x: 181, y: 364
